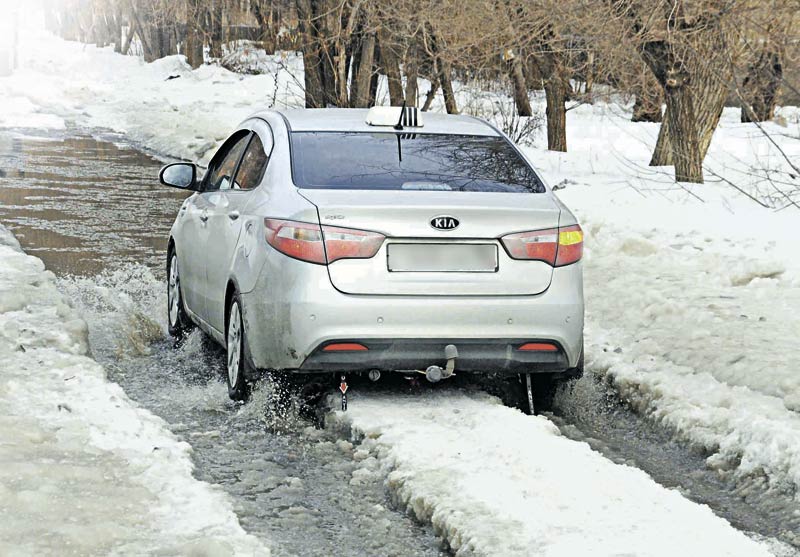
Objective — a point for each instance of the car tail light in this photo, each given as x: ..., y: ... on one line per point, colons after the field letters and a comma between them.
x: 321, y: 244
x: 300, y: 240
x: 570, y: 245
x: 556, y: 246
x: 345, y: 347
x: 348, y: 243
x: 538, y: 347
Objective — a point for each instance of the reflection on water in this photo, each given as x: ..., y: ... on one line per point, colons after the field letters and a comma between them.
x: 83, y: 205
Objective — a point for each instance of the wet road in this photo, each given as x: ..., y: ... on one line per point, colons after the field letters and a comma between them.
x: 96, y: 216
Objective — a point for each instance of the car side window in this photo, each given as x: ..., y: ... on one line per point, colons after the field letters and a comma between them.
x: 223, y: 165
x: 254, y: 164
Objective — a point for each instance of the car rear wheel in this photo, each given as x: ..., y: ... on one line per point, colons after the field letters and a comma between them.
x: 235, y: 360
x: 178, y: 322
x: 538, y: 390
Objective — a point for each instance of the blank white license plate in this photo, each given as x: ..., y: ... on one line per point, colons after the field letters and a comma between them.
x: 476, y: 258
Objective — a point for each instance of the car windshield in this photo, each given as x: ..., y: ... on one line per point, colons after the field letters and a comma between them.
x: 410, y: 161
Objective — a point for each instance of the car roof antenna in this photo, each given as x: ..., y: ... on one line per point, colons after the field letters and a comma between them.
x: 399, y: 125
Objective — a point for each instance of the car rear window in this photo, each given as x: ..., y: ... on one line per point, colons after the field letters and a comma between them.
x: 410, y: 161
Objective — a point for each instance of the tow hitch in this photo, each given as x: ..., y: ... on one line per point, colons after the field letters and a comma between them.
x: 434, y: 373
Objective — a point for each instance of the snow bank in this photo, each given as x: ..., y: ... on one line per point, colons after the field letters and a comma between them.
x: 19, y: 112
x: 85, y: 471
x: 164, y: 106
x: 692, y: 304
x: 493, y: 481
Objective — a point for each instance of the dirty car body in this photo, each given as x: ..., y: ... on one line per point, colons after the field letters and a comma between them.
x: 357, y: 246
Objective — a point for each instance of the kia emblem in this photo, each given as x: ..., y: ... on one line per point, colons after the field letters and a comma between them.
x: 444, y: 222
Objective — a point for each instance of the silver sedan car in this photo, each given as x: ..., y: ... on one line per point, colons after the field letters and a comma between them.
x: 354, y: 241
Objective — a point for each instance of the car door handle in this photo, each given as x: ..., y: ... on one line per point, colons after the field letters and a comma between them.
x: 233, y: 215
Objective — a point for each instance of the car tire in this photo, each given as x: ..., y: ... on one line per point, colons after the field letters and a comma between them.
x: 178, y: 321
x: 236, y: 367
x: 545, y: 386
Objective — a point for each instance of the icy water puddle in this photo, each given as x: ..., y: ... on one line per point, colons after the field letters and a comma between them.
x: 95, y: 214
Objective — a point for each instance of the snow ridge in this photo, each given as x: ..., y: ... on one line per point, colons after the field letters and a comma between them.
x: 493, y: 481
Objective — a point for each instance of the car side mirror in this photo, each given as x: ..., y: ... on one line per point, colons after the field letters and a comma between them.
x: 181, y: 175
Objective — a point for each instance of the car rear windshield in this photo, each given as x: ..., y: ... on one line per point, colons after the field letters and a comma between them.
x: 410, y: 161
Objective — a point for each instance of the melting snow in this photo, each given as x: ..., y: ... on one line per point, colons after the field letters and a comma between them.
x: 84, y: 470
x: 494, y: 481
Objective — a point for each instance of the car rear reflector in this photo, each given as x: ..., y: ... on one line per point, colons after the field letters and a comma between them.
x: 321, y: 244
x: 556, y: 246
x: 538, y: 347
x: 345, y: 347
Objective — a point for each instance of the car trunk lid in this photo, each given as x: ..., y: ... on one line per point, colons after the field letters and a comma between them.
x: 418, y: 259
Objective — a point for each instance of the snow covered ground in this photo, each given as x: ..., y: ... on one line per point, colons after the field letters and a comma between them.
x: 692, y: 306
x: 83, y: 470
x: 692, y: 291
x: 494, y: 481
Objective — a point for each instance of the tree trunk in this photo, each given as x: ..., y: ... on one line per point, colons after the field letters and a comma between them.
x: 649, y: 97
x: 662, y: 154
x: 391, y: 66
x: 589, y: 75
x: 118, y: 40
x: 343, y: 49
x: 447, y: 88
x: 143, y: 31
x: 373, y: 82
x: 556, y: 112
x: 328, y: 34
x: 644, y: 110
x: 412, y: 85
x: 194, y: 47
x: 695, y: 100
x: 709, y: 91
x: 442, y: 72
x: 126, y: 45
x: 683, y: 133
x: 215, y: 25
x: 265, y: 17
x: 517, y: 75
x: 760, y: 87
x: 431, y: 95
x: 312, y: 63
x: 363, y: 73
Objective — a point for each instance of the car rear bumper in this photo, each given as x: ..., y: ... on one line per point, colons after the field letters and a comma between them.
x: 293, y: 311
x: 474, y: 356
